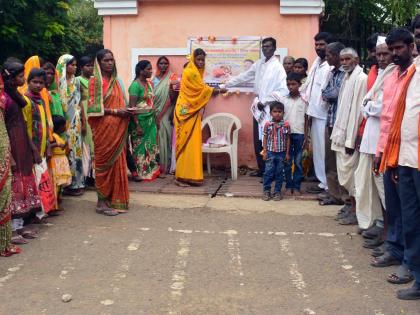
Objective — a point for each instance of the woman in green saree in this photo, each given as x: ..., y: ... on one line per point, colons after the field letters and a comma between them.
x: 164, y: 83
x: 143, y: 130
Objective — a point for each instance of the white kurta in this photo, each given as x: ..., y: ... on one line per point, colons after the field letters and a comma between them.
x: 346, y: 125
x: 409, y: 150
x: 318, y: 109
x: 268, y: 76
x: 312, y: 90
x: 370, y: 194
x: 372, y: 112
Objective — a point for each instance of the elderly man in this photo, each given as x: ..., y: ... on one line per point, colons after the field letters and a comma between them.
x: 269, y: 76
x: 317, y: 108
x: 343, y: 136
x: 370, y: 195
x: 288, y: 63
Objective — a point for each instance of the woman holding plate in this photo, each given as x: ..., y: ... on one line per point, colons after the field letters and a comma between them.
x: 142, y: 128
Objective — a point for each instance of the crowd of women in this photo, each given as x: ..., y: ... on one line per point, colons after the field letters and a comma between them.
x: 62, y: 133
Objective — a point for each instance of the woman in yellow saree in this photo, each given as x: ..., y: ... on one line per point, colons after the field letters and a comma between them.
x: 193, y: 96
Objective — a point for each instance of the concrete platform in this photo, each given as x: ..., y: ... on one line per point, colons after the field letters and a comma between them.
x: 216, y: 184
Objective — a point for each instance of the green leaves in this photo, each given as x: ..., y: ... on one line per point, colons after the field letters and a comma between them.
x: 352, y: 21
x: 48, y: 28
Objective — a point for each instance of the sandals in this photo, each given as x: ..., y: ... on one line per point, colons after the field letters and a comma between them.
x: 181, y: 184
x: 28, y: 234
x: 401, y: 276
x: 73, y: 192
x: 135, y: 178
x: 54, y: 213
x: 330, y: 202
x: 18, y: 240
x: 412, y: 293
x: 314, y: 190
x: 107, y: 211
x: 11, y: 250
x: 385, y: 260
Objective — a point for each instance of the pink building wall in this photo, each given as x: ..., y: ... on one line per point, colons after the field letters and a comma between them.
x: 168, y: 24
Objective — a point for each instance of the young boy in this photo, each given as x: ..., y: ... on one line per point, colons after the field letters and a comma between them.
x: 295, y: 114
x: 275, y: 152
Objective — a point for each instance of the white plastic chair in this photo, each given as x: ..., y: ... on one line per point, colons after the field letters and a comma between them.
x: 222, y: 124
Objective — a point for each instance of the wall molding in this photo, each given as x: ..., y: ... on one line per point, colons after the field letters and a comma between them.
x: 287, y: 7
x: 116, y: 7
x: 301, y: 7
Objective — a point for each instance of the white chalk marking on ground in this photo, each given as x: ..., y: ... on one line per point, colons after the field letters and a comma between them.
x: 107, y: 302
x: 180, y: 231
x: 63, y: 274
x: 13, y: 269
x: 230, y: 232
x: 123, y: 268
x: 326, y: 234
x: 280, y: 233
x: 349, y: 269
x: 179, y: 275
x: 235, y: 255
x: 145, y: 229
x: 345, y: 265
x: 6, y: 278
x: 134, y: 245
x: 296, y: 276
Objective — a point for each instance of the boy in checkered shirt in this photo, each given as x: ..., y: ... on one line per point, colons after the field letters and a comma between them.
x: 276, y: 143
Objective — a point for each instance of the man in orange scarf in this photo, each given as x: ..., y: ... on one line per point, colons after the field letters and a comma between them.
x: 400, y: 43
x: 402, y: 152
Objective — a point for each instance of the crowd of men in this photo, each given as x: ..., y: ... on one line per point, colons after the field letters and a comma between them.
x: 364, y: 129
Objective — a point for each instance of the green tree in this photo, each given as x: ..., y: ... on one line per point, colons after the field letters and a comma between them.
x: 353, y: 21
x: 48, y: 28
x: 86, y: 27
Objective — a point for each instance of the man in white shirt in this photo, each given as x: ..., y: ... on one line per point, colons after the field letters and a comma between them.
x: 409, y: 182
x: 269, y: 76
x: 318, y: 109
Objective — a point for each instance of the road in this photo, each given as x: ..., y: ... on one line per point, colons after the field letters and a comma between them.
x: 196, y: 255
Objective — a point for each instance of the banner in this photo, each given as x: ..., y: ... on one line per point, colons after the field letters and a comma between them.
x: 228, y: 57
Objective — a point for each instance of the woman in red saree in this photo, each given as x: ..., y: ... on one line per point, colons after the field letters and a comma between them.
x: 108, y: 118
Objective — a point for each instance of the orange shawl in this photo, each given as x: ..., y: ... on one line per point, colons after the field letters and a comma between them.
x: 372, y: 75
x: 392, y: 149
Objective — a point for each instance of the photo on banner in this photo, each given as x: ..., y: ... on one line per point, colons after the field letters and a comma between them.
x: 228, y: 57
